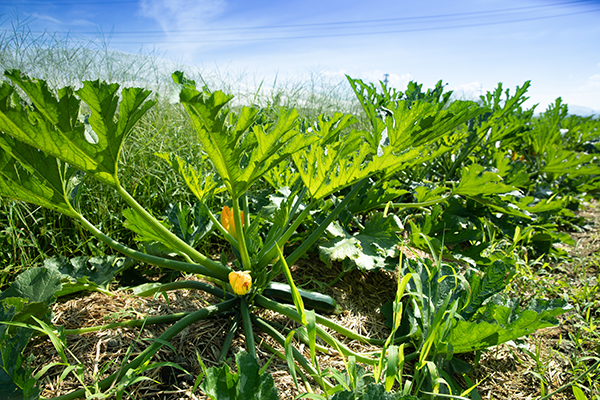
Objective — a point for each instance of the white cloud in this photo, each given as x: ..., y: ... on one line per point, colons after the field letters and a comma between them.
x: 468, y: 91
x: 47, y: 18
x: 593, y: 81
x: 182, y: 14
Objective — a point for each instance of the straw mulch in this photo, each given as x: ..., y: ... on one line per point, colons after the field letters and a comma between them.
x: 503, y: 372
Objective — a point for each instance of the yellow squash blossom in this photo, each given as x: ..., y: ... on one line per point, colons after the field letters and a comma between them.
x: 228, y: 221
x: 240, y: 281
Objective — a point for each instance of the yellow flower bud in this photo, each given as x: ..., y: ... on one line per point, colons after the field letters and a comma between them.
x: 240, y: 281
x: 228, y: 221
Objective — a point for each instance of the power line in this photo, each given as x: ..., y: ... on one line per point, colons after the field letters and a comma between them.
x: 66, y: 3
x: 333, y: 24
x: 409, y: 30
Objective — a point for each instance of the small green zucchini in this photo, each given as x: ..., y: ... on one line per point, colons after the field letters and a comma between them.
x: 312, y: 300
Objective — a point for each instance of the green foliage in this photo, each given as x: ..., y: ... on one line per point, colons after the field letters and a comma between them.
x: 479, y: 183
x: 374, y: 247
x: 52, y: 124
x: 248, y: 383
x: 371, y: 391
x: 16, y: 381
x: 84, y: 273
x: 25, y: 302
x: 474, y: 314
x: 499, y: 323
x: 240, y: 149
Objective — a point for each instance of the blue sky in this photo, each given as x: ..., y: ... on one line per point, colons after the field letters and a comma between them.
x: 470, y: 45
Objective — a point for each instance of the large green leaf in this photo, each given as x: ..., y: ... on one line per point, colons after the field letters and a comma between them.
x: 501, y: 323
x: 52, y: 124
x: 329, y: 129
x: 241, y: 149
x: 35, y: 284
x: 475, y: 180
x: 419, y: 123
x: 564, y: 162
x: 327, y: 169
x: 85, y: 273
x: 374, y: 247
x: 29, y: 175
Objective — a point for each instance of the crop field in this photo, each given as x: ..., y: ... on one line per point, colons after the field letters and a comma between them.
x: 398, y: 244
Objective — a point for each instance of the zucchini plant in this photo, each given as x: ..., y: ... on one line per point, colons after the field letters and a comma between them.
x: 50, y: 149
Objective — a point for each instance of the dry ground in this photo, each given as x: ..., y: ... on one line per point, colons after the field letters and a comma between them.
x: 504, y: 372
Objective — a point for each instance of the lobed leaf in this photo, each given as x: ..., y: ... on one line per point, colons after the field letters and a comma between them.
x: 475, y: 180
x: 501, y: 323
x: 202, y: 183
x: 564, y: 162
x: 371, y: 248
x: 241, y: 149
x: 52, y: 124
x: 29, y: 175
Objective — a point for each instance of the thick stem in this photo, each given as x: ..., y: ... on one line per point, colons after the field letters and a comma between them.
x: 169, y: 236
x: 207, y: 267
x: 250, y: 346
x: 205, y: 287
x: 269, y: 251
x: 241, y: 236
x: 291, y: 313
x: 334, y: 343
x: 132, y: 323
x: 156, y: 345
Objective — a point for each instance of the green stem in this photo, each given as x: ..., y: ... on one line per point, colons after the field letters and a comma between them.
x: 133, y: 323
x: 169, y: 236
x: 229, y: 338
x: 206, y: 267
x: 417, y: 205
x: 269, y: 251
x: 156, y: 345
x: 247, y: 323
x: 269, y: 330
x: 303, y: 248
x: 246, y: 210
x: 334, y: 343
x: 241, y: 239
x: 205, y: 287
x: 291, y: 313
